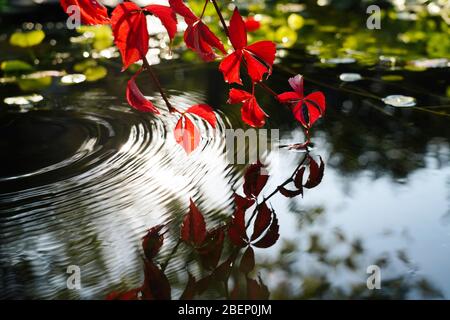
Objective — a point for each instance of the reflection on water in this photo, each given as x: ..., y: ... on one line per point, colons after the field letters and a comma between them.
x: 82, y: 178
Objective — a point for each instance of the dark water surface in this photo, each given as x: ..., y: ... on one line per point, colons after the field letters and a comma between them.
x: 83, y: 176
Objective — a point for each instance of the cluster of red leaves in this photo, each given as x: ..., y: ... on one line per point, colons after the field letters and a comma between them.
x: 209, y: 244
x: 130, y: 30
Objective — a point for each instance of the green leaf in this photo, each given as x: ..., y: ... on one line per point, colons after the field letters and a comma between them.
x: 27, y: 39
x: 15, y: 66
x: 32, y: 84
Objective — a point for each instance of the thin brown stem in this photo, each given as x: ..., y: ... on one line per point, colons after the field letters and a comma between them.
x: 222, y: 20
x: 268, y: 89
x: 156, y: 82
x: 169, y: 257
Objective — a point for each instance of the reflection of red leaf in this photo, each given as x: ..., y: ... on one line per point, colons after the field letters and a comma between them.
x: 259, y: 56
x: 271, y: 236
x: 247, y: 261
x: 189, y: 291
x: 236, y: 228
x: 243, y: 203
x: 257, y: 290
x: 204, y: 111
x: 167, y: 17
x: 129, y: 26
x: 254, y: 180
x: 315, y: 173
x: 203, y: 284
x: 136, y: 99
x: 132, y: 294
x: 262, y: 221
x: 187, y: 134
x: 298, y: 179
x: 290, y: 193
x: 156, y: 285
x: 152, y: 242
x: 211, y: 251
x: 91, y: 11
x: 222, y: 272
x: 193, y: 229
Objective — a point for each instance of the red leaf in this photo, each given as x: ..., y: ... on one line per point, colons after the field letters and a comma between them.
x: 289, y: 97
x: 91, y: 11
x: 290, y: 193
x: 203, y: 284
x: 136, y: 99
x: 179, y: 7
x: 202, y: 40
x: 186, y: 134
x: 271, y: 236
x: 167, y: 17
x: 193, y: 229
x: 130, y: 32
x: 265, y: 51
x: 152, y: 242
x: 257, y: 290
x: 252, y: 114
x: 237, y: 96
x: 204, y: 111
x: 212, y: 250
x: 236, y: 228
x: 255, y: 69
x: 307, y: 110
x: 132, y: 294
x: 230, y: 67
x: 254, y: 180
x: 251, y: 24
x: 262, y: 221
x: 156, y: 285
x: 247, y: 261
x: 315, y: 173
x: 190, y: 290
x: 296, y: 83
x: 238, y: 33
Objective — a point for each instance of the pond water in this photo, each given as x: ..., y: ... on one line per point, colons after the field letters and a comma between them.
x: 83, y: 176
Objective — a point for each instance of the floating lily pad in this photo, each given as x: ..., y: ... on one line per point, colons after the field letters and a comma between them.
x: 392, y: 77
x: 350, y: 77
x: 73, y: 78
x: 95, y: 73
x: 27, y: 39
x: 23, y: 100
x: 16, y: 66
x: 399, y: 101
x: 430, y: 63
x: 32, y: 84
x: 339, y: 60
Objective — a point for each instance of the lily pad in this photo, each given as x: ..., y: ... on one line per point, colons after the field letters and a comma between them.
x: 16, y: 66
x: 27, y: 39
x: 350, y: 77
x: 399, y: 101
x: 23, y: 100
x: 73, y: 78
